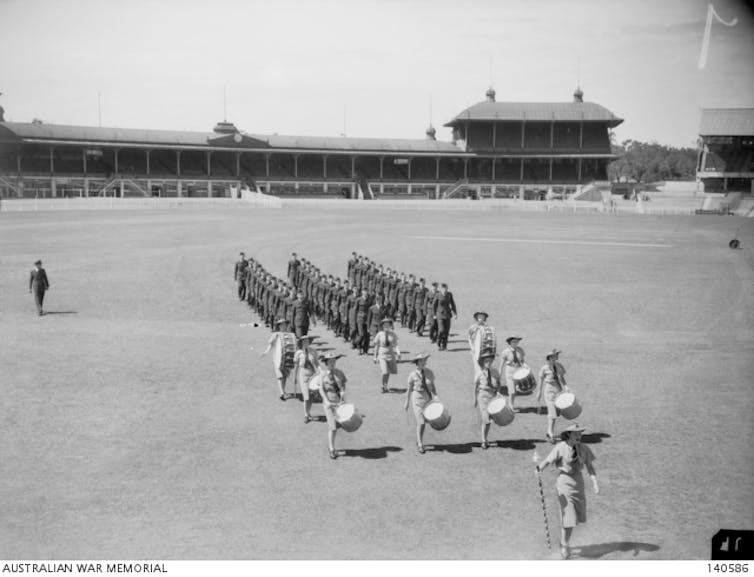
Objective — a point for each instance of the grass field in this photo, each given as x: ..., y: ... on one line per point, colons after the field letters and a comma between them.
x: 136, y: 423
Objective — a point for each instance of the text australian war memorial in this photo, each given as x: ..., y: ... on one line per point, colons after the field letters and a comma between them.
x: 498, y: 149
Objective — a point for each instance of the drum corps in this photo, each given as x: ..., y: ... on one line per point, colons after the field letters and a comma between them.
x: 362, y: 309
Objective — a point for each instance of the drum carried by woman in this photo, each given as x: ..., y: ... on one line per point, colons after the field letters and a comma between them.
x: 386, y: 352
x: 482, y: 340
x: 518, y: 376
x: 283, y: 345
x: 486, y: 388
x: 305, y: 364
x: 551, y: 382
x: 332, y: 389
x: 420, y: 390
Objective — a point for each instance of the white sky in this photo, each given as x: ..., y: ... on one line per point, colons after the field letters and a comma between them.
x: 300, y: 67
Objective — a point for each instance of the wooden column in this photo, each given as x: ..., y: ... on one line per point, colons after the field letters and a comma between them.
x: 552, y: 134
x: 492, y: 160
x: 523, y: 133
x: 551, y: 170
x: 83, y: 160
x: 115, y: 157
x: 437, y: 168
x: 353, y: 167
x: 238, y: 165
x: 382, y: 177
x: 52, y: 160
x: 581, y: 134
x: 149, y: 167
x: 465, y: 167
x: 408, y: 172
x: 267, y: 166
x: 178, y: 165
x: 494, y: 134
x: 295, y: 166
x: 579, y: 170
x: 324, y: 166
x: 209, y: 163
x: 522, y: 170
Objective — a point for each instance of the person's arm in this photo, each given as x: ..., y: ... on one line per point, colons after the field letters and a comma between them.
x: 453, y: 308
x: 549, y: 459
x: 376, y: 346
x: 269, y: 345
x: 589, y: 462
x: 541, y: 384
x: 397, y: 348
x: 561, y: 376
x: 476, y: 388
x: 502, y: 363
x: 47, y: 281
x: 409, y: 388
x: 31, y: 280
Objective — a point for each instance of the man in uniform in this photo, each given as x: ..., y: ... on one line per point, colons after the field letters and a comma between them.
x: 445, y: 308
x: 362, y: 311
x: 420, y: 295
x: 293, y: 265
x: 409, y: 298
x: 351, y: 264
x: 240, y: 276
x: 301, y: 315
x: 38, y: 284
x: 429, y: 309
x: 401, y: 297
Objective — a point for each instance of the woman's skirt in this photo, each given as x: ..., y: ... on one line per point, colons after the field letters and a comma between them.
x: 419, y: 400
x: 572, y: 498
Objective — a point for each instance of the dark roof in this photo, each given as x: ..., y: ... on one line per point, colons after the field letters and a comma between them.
x: 727, y: 122
x: 546, y: 111
x: 176, y: 138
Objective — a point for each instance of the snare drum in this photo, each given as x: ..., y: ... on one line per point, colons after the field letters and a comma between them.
x: 285, y: 351
x: 524, y: 381
x: 500, y: 411
x: 437, y: 415
x: 568, y: 405
x: 348, y: 417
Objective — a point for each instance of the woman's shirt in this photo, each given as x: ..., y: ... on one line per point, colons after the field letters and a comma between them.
x: 487, y: 381
x: 547, y: 375
x: 425, y: 385
x: 512, y: 357
x: 570, y: 460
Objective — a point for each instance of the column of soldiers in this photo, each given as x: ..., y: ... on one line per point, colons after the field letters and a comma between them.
x: 272, y: 298
x: 353, y: 308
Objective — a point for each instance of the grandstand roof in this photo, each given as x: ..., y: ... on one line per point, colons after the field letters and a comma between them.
x: 175, y: 139
x: 532, y: 111
x: 727, y: 122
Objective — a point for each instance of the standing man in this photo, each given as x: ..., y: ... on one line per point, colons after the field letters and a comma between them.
x: 240, y: 277
x: 293, y: 265
x: 430, y: 312
x: 38, y: 284
x: 420, y: 296
x: 409, y: 298
x: 445, y: 307
x: 362, y: 312
x: 402, y: 286
x: 301, y: 315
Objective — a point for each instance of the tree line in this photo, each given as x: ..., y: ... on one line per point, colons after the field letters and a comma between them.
x: 651, y: 162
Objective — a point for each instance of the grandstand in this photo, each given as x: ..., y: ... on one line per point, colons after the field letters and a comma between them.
x: 523, y: 150
x: 726, y: 151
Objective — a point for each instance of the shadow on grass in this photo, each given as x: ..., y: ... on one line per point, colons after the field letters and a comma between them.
x: 394, y: 390
x: 467, y: 349
x: 535, y: 410
x: 371, y: 453
x: 520, y: 444
x: 592, y: 438
x: 602, y: 549
x: 60, y: 313
x: 323, y: 349
x: 456, y: 449
x: 451, y: 341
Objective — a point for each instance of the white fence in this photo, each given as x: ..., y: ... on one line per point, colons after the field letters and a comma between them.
x: 256, y: 200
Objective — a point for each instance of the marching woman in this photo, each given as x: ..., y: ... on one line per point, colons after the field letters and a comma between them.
x: 278, y: 340
x: 419, y: 392
x: 552, y: 382
x: 386, y: 351
x: 570, y: 456
x: 332, y: 388
x: 511, y: 359
x: 486, y: 388
x: 305, y: 364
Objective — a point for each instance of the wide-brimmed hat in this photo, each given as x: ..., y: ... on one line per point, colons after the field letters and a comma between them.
x: 280, y: 321
x: 330, y: 355
x: 421, y: 356
x: 387, y: 320
x: 514, y: 338
x: 476, y: 314
x: 303, y: 338
x: 487, y: 355
x: 37, y: 262
x: 574, y: 428
x: 552, y: 353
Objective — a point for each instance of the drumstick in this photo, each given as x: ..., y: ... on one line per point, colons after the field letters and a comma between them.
x: 535, y: 458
